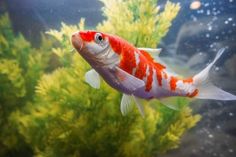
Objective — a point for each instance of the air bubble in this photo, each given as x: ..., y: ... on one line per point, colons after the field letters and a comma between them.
x: 194, y: 18
x: 214, y: 13
x: 208, y: 12
x: 210, y: 136
x: 210, y: 28
x: 226, y: 22
x: 215, y: 18
x: 230, y: 19
x: 206, y: 5
x: 207, y: 35
x: 231, y: 150
x: 200, y: 11
x: 231, y: 114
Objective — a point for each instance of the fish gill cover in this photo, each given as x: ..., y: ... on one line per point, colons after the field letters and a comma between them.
x: 47, y: 109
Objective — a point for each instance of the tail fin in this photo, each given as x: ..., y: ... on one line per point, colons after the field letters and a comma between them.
x: 206, y: 89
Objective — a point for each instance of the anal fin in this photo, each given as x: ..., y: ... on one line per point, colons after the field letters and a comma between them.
x: 126, y: 104
x: 139, y: 106
x: 171, y: 103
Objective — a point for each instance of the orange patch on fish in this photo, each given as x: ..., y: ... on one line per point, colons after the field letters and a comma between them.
x: 173, y: 81
x: 189, y: 80
x: 116, y: 46
x: 147, y: 55
x: 157, y: 66
x: 194, y: 93
x: 87, y: 35
x: 149, y: 80
x: 128, y: 62
x: 159, y: 77
x: 141, y: 69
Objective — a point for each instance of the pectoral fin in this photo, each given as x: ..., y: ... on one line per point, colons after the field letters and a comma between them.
x: 127, y: 80
x: 92, y: 78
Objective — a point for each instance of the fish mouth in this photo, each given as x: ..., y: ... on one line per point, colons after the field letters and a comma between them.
x: 77, y: 42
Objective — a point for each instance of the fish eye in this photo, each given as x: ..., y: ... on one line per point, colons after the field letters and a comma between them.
x: 98, y: 38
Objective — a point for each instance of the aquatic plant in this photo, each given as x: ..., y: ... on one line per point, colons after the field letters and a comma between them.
x: 20, y: 68
x: 138, y: 21
x: 61, y: 115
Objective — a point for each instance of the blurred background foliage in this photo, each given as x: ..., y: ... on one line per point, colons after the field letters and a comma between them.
x: 47, y: 109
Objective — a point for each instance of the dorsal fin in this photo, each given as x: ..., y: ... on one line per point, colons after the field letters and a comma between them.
x: 151, y: 51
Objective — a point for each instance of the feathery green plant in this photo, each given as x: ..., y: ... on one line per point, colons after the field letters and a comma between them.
x: 20, y: 68
x: 138, y: 21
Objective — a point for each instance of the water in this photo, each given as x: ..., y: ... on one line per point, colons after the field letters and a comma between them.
x: 195, y: 36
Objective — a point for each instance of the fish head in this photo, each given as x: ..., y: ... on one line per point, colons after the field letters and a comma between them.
x: 92, y: 42
x: 93, y: 46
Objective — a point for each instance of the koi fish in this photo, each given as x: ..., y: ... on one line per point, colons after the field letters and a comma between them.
x: 134, y: 71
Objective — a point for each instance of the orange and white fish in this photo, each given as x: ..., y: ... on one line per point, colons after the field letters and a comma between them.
x: 135, y: 73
